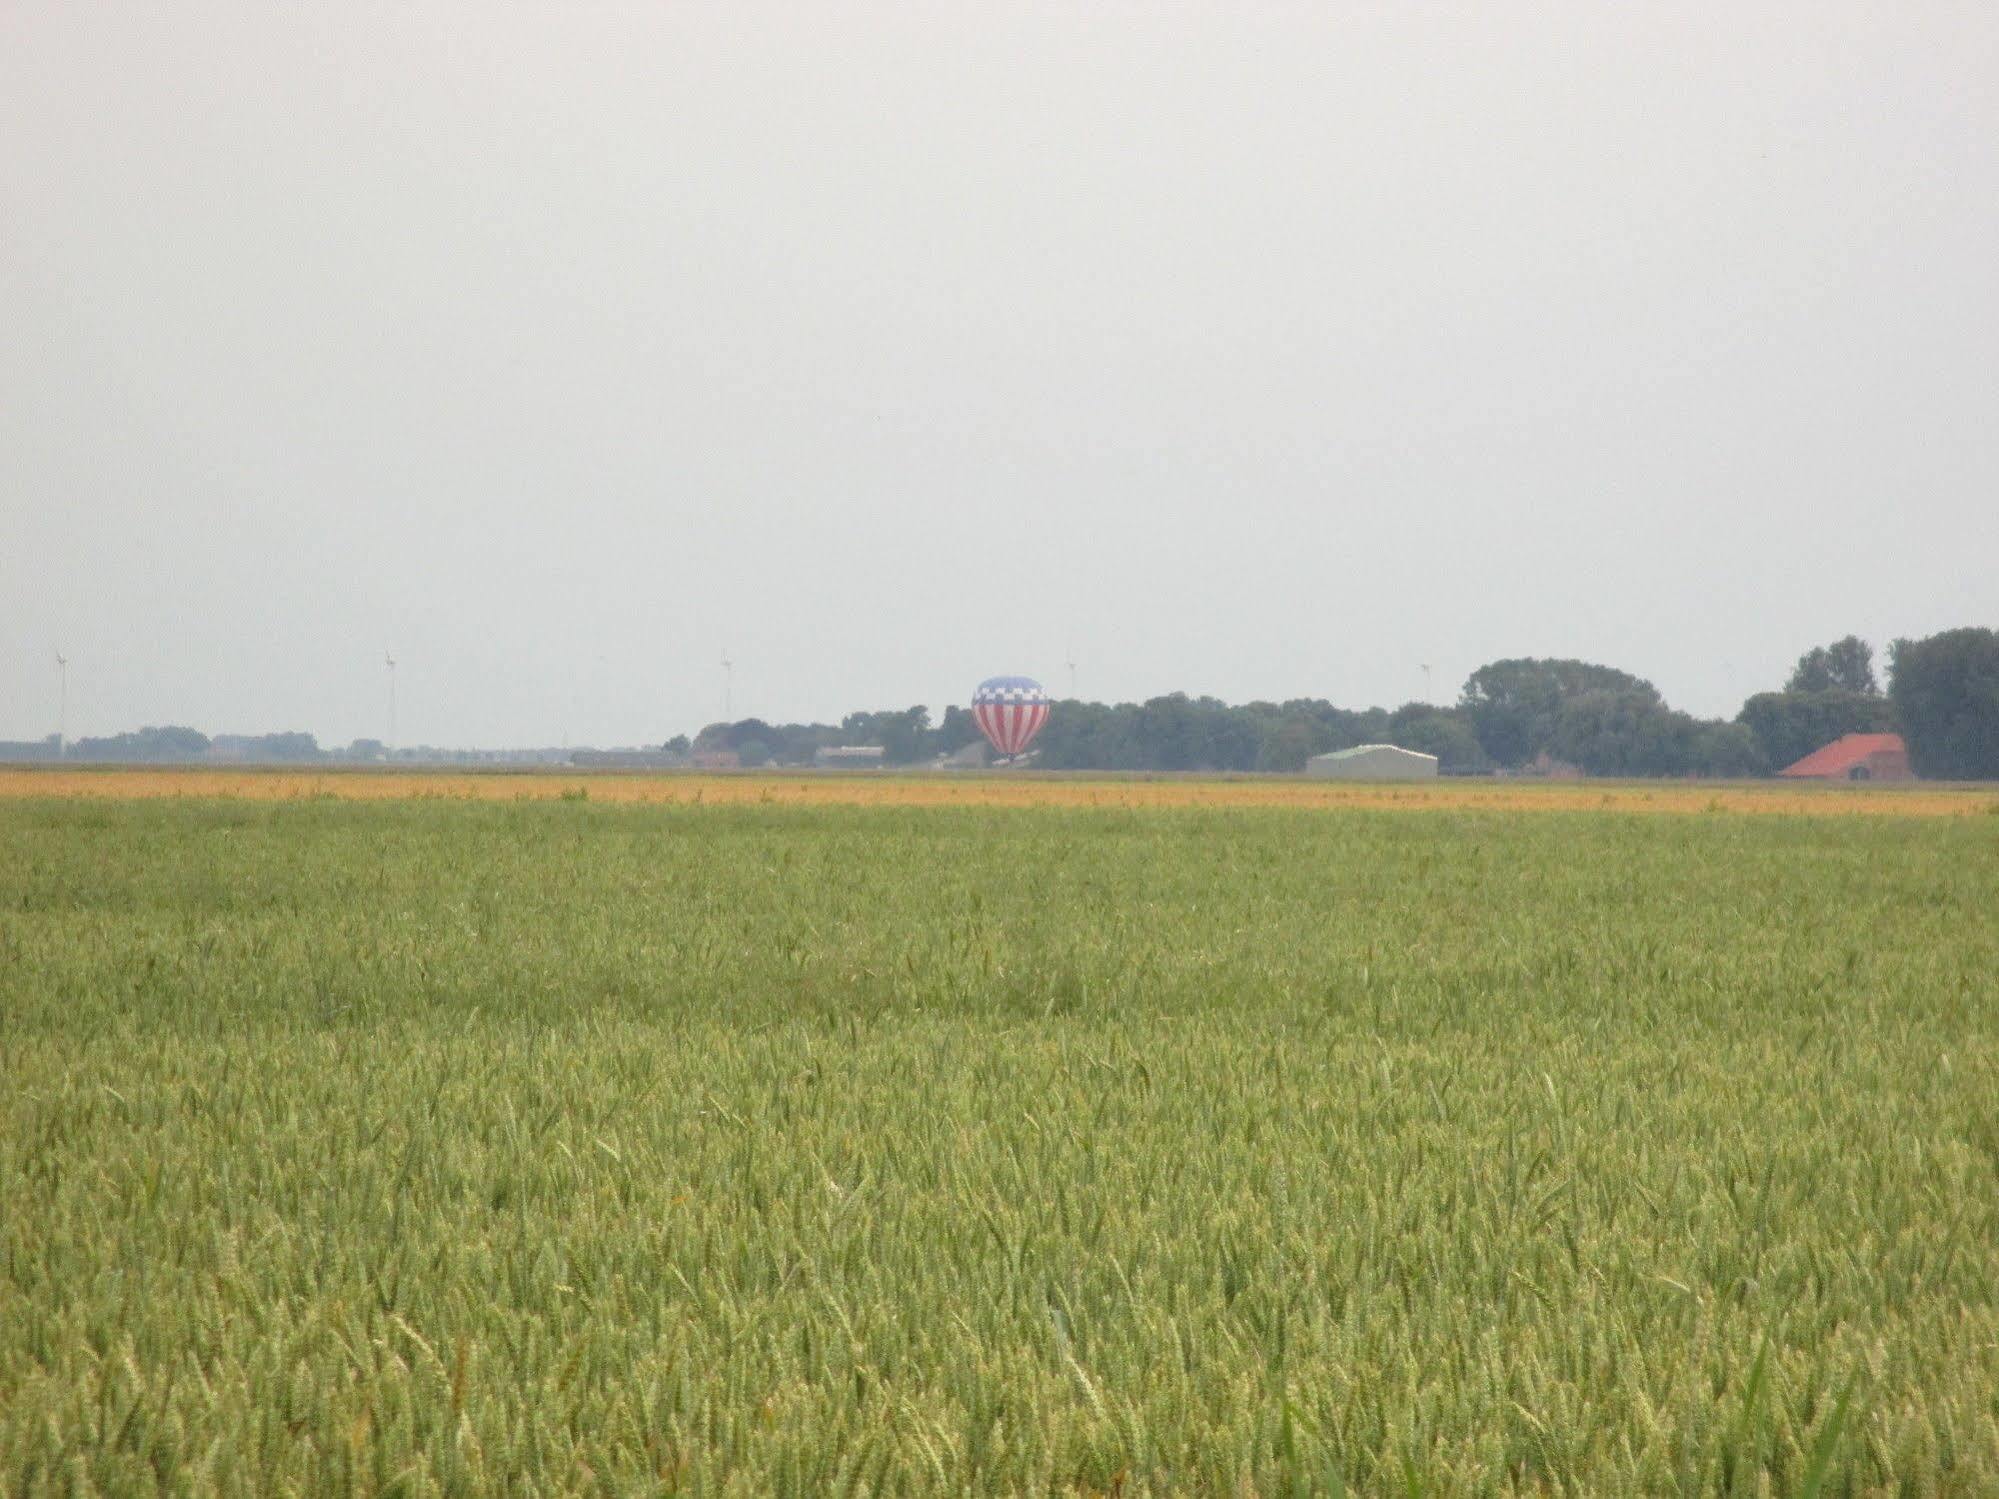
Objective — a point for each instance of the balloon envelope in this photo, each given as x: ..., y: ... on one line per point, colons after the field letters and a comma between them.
x: 1010, y: 712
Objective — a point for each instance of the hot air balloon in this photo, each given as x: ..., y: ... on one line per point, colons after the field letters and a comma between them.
x: 1010, y: 712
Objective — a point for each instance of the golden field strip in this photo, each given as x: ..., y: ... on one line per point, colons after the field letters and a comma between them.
x: 807, y: 789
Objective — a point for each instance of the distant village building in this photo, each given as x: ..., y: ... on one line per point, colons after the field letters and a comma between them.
x: 1373, y: 762
x: 848, y: 757
x: 971, y: 756
x: 1856, y: 757
x: 715, y: 759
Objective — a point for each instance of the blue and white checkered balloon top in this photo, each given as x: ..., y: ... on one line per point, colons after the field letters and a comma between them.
x: 1009, y: 690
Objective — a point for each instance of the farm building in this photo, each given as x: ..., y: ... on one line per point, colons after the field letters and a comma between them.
x: 848, y: 756
x: 1373, y: 762
x: 1855, y: 757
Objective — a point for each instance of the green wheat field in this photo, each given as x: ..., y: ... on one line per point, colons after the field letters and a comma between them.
x: 558, y: 1147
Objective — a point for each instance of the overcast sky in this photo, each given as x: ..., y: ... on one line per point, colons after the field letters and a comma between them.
x: 1261, y: 351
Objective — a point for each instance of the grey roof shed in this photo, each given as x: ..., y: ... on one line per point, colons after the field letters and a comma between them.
x: 1373, y: 762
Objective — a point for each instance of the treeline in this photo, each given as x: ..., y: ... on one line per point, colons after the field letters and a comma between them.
x: 905, y: 736
x: 1512, y: 715
x: 176, y: 744
x: 171, y: 744
x: 1621, y: 731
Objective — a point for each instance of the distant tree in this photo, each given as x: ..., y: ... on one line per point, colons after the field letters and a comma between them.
x: 782, y: 744
x: 1446, y: 733
x: 904, y: 736
x: 1091, y: 736
x: 169, y: 742
x: 1225, y: 738
x: 1178, y: 732
x: 1624, y: 732
x: 47, y: 748
x: 751, y: 753
x: 1514, y: 704
x: 957, y: 730
x: 1634, y: 734
x: 1946, y: 689
x: 1844, y: 666
x: 677, y: 745
x: 174, y: 742
x: 1727, y: 749
x: 291, y: 747
x: 1167, y: 732
x: 1287, y: 743
x: 1790, y: 725
x: 367, y: 749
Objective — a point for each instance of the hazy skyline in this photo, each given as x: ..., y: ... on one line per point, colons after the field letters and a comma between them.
x: 1254, y: 351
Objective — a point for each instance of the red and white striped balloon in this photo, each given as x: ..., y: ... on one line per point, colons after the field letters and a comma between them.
x: 1010, y: 712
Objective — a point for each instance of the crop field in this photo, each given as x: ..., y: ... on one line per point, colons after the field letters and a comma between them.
x: 493, y: 1141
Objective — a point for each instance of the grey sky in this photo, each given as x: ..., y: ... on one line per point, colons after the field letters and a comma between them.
x: 1263, y: 351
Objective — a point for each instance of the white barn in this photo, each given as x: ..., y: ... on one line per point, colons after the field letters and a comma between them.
x: 1373, y: 762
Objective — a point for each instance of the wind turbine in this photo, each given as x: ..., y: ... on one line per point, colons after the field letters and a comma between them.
x: 728, y: 688
x: 1072, y: 672
x: 1426, y: 683
x: 390, y: 662
x: 62, y: 704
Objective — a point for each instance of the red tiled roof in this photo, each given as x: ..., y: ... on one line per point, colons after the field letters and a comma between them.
x: 1837, y: 758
